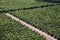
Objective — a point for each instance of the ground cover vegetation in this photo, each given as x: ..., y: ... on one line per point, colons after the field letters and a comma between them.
x: 46, y: 19
x: 14, y: 4
x: 12, y: 30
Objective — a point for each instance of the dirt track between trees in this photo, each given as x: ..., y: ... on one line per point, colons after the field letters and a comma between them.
x: 48, y: 37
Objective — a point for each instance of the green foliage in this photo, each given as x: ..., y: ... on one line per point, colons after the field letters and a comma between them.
x: 12, y: 30
x: 46, y: 19
x: 14, y: 4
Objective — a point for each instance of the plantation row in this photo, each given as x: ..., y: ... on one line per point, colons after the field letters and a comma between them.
x: 12, y: 30
x: 14, y: 4
x: 46, y: 19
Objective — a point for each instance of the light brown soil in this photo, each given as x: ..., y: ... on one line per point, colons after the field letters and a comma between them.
x: 48, y: 37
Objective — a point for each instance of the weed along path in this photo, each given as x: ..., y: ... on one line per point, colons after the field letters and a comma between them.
x: 48, y: 37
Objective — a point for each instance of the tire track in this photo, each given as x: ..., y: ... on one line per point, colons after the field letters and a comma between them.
x: 48, y: 37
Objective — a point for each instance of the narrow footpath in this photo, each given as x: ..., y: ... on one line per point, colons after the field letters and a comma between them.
x: 48, y: 37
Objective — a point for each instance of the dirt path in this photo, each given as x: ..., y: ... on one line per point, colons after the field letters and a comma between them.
x: 48, y: 37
